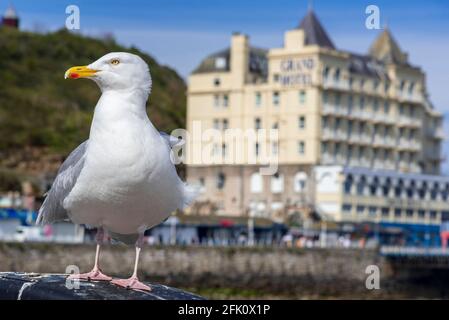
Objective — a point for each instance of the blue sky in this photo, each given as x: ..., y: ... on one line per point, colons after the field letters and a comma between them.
x: 180, y: 33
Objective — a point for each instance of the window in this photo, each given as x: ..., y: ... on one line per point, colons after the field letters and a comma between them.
x: 411, y: 87
x: 375, y: 105
x: 421, y: 214
x: 337, y: 149
x: 276, y: 98
x: 301, y: 147
x: 257, y: 123
x: 216, y: 100
x: 277, y: 183
x: 275, y: 148
x: 361, y: 186
x: 349, y: 152
x: 326, y: 73
x: 225, y: 124
x: 325, y: 123
x: 433, y: 215
x: 275, y: 125
x: 360, y: 210
x: 386, y: 107
x: 258, y: 99
x: 337, y: 76
x: 256, y: 147
x: 362, y: 103
x: 324, y: 147
x: 325, y: 98
x: 397, y: 213
x: 385, y: 211
x: 409, y: 213
x: 402, y: 85
x: 299, y: 181
x: 223, y: 150
x: 349, y: 104
x: 372, y: 211
x: 337, y: 99
x: 256, y: 184
x: 302, y: 122
x: 225, y: 100
x: 221, y: 178
x: 216, y: 124
x: 351, y: 81
x: 220, y: 63
x: 348, y: 184
x: 347, y: 209
x: 302, y: 97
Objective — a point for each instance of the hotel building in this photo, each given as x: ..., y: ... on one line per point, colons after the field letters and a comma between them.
x: 358, y: 138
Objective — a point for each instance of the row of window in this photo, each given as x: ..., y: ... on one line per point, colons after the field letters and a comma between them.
x: 399, y: 189
x: 403, y: 85
x: 386, y: 212
x: 257, y: 182
x: 377, y: 104
x: 362, y: 151
x: 274, y: 149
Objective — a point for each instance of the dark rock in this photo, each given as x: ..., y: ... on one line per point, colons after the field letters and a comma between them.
x: 35, y: 286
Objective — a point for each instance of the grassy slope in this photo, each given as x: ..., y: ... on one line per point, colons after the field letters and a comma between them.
x: 39, y: 109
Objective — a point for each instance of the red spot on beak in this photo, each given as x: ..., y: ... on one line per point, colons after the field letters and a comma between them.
x: 74, y: 75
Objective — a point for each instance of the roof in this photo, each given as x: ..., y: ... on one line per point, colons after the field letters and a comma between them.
x: 314, y: 31
x: 220, y: 61
x: 386, y: 49
x: 367, y: 66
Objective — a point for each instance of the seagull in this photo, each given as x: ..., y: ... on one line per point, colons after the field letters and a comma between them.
x: 121, y: 180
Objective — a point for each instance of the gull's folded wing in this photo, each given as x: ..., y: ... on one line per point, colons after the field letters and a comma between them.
x: 52, y: 209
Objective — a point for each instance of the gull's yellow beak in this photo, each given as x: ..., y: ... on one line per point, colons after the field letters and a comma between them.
x: 79, y: 72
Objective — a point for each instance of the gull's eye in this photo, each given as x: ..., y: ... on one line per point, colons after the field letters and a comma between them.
x: 115, y: 62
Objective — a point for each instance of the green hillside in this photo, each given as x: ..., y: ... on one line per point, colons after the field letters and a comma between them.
x: 39, y: 109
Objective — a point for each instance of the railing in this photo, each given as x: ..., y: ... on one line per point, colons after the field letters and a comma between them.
x: 413, y: 251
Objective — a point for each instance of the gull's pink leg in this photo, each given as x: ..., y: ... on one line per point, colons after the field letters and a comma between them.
x: 95, y: 274
x: 133, y: 282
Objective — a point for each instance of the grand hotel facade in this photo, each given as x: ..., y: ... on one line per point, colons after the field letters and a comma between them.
x: 358, y: 138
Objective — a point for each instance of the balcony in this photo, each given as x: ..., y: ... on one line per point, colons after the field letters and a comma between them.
x: 410, y: 97
x: 329, y: 83
x: 436, y: 133
x: 411, y: 145
x: 327, y: 158
x: 406, y: 121
x: 331, y: 134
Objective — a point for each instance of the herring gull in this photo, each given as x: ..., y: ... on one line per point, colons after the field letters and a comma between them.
x: 121, y: 180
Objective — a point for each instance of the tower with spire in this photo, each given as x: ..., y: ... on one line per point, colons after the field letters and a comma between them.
x: 10, y: 18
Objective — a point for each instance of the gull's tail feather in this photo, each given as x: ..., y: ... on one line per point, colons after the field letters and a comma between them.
x: 190, y: 194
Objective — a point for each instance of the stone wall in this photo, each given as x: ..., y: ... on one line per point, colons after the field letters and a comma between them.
x: 313, y: 271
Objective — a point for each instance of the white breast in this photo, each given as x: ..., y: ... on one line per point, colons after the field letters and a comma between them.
x: 128, y: 182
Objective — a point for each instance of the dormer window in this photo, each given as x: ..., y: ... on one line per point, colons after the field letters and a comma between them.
x: 220, y: 63
x: 326, y: 73
x: 411, y: 87
x: 337, y: 76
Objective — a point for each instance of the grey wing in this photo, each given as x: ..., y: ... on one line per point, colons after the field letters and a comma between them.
x: 52, y: 209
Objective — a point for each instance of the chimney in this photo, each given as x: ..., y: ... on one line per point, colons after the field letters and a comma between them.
x: 239, y: 58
